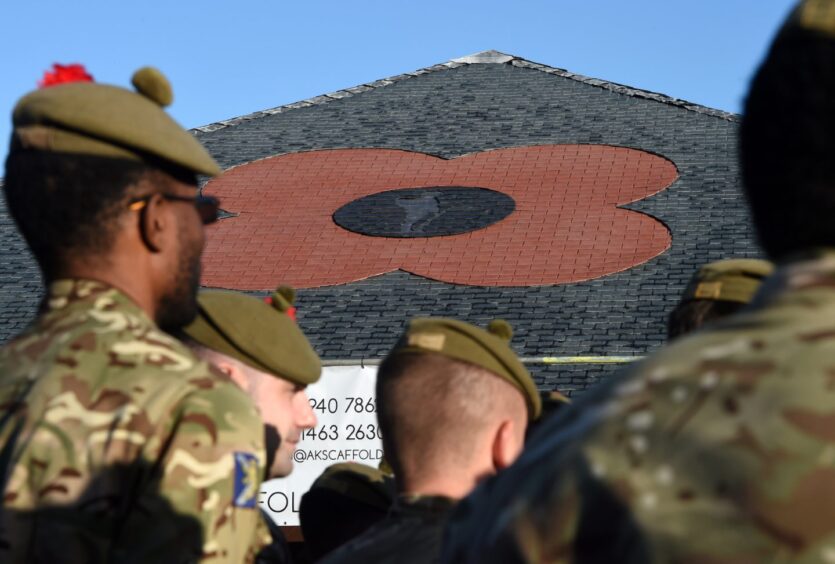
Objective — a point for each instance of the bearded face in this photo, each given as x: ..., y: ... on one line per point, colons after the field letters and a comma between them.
x: 178, y: 306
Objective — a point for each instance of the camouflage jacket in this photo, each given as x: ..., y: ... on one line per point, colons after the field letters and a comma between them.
x: 118, y: 445
x: 719, y: 448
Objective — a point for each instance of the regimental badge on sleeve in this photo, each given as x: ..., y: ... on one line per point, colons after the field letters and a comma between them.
x: 247, y: 480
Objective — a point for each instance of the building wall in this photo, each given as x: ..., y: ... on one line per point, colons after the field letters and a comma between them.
x: 473, y: 108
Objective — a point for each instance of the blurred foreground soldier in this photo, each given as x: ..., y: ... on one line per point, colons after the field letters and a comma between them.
x: 720, y: 448
x: 343, y: 503
x: 717, y: 290
x: 116, y: 443
x: 453, y: 403
x: 259, y: 346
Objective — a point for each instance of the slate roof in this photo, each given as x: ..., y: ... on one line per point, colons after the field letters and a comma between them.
x: 491, y: 101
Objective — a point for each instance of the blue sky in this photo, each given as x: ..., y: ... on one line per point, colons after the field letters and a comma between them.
x: 231, y: 58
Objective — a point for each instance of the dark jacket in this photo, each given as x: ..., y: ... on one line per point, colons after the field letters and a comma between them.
x: 410, y: 534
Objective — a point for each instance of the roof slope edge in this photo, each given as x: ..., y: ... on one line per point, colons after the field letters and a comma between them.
x: 483, y: 57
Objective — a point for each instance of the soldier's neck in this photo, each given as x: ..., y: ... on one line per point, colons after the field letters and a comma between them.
x: 453, y: 487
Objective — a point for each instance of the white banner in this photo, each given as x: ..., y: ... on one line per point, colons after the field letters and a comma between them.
x: 346, y: 431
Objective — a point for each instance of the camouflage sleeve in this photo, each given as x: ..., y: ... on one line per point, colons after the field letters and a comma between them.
x: 211, y: 468
x: 730, y: 466
x: 213, y: 471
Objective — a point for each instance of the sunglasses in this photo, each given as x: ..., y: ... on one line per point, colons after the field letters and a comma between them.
x: 207, y: 206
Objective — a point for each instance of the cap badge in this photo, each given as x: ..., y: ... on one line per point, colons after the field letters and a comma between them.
x: 708, y: 290
x: 428, y: 341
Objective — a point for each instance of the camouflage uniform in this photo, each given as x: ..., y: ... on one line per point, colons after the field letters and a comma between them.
x: 720, y: 448
x: 118, y: 445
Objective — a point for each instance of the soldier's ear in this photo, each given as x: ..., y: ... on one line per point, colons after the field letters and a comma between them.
x: 235, y: 374
x: 154, y: 223
x: 506, y: 445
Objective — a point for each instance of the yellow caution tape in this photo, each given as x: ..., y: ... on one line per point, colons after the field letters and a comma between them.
x: 581, y: 359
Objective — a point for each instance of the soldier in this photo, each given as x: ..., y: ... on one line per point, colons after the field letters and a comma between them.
x: 345, y: 501
x: 116, y: 443
x: 720, y: 447
x: 718, y: 289
x: 453, y: 405
x: 259, y: 347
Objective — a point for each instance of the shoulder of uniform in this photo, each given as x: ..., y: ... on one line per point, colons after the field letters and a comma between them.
x: 211, y: 392
x: 162, y: 360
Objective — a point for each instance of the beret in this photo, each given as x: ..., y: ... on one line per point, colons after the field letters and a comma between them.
x: 262, y: 335
x: 464, y: 342
x: 733, y: 280
x: 108, y: 121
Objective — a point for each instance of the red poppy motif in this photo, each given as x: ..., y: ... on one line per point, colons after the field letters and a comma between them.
x: 566, y: 226
x: 62, y: 74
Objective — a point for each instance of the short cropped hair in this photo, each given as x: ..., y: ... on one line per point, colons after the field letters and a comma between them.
x: 67, y: 205
x: 788, y: 142
x: 430, y: 407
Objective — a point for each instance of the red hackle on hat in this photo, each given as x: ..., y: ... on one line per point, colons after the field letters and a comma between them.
x: 290, y: 311
x: 62, y: 74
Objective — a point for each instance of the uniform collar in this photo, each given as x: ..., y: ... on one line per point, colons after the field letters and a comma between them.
x: 69, y: 294
x: 423, y: 505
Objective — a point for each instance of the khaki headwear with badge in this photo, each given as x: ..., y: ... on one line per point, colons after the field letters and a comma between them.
x: 812, y: 15
x: 732, y: 280
x: 262, y: 335
x: 461, y: 341
x: 101, y: 120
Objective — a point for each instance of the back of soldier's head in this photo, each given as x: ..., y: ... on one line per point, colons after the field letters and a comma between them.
x: 717, y: 290
x: 788, y: 135
x: 431, y: 407
x: 440, y: 390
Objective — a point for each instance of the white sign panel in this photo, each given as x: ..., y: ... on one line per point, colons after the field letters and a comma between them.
x: 346, y: 431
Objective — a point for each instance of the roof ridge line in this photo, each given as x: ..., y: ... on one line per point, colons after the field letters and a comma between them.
x: 483, y: 57
x: 627, y: 90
